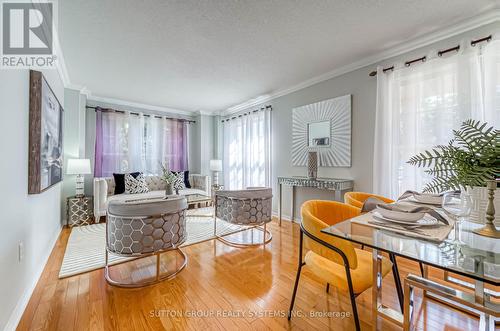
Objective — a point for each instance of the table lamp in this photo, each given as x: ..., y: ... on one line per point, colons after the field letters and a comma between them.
x: 216, y: 167
x: 78, y: 167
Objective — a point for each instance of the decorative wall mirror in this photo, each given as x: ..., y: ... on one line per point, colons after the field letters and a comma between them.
x: 318, y: 134
x: 324, y: 127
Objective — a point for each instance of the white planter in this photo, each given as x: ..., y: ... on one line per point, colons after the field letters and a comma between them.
x: 480, y: 201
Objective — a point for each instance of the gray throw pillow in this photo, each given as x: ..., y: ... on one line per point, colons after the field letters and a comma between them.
x: 179, y: 181
x: 135, y: 185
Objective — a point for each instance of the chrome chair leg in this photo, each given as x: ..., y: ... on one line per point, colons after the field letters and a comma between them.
x: 408, y: 306
x: 267, y: 237
x: 158, y: 275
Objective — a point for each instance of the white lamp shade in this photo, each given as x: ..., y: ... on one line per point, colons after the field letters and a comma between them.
x: 78, y: 167
x: 215, y: 165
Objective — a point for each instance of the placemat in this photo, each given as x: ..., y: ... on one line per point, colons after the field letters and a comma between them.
x: 435, y: 233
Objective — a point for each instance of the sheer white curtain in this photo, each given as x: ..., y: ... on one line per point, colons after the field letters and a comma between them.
x: 129, y: 142
x: 418, y: 107
x: 247, y: 150
x: 154, y: 151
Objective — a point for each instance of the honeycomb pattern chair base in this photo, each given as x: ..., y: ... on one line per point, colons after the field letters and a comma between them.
x: 145, y: 228
x: 158, y: 276
x: 249, y: 208
x: 261, y: 238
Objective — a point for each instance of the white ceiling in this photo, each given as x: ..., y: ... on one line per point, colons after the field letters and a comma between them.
x: 212, y: 54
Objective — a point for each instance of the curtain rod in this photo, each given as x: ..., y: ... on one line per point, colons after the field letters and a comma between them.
x: 137, y: 114
x: 473, y: 43
x: 247, y: 113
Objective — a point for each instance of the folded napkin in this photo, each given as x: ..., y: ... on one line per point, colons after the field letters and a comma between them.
x: 373, y: 203
x: 410, y: 193
x: 370, y: 204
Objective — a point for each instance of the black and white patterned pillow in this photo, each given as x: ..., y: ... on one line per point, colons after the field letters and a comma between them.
x: 135, y: 185
x: 179, y: 181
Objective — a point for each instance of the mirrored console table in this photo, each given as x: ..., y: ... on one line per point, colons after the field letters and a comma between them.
x: 339, y: 186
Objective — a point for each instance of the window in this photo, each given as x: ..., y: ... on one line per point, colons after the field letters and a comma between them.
x: 128, y: 142
x: 418, y: 107
x: 247, y: 150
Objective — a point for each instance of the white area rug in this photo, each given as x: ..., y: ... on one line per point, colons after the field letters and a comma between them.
x: 85, y: 250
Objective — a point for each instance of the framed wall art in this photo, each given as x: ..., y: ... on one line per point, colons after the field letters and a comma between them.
x: 45, y: 160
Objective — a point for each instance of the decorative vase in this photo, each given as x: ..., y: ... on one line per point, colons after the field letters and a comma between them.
x: 312, y: 165
x: 169, y: 190
x: 479, y: 197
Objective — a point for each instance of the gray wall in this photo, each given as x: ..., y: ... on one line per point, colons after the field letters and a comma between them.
x: 206, y: 143
x: 34, y: 220
x: 363, y: 89
x: 74, y: 139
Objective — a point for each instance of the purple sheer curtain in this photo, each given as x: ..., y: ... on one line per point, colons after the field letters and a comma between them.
x: 98, y: 143
x: 125, y: 144
x: 176, y: 145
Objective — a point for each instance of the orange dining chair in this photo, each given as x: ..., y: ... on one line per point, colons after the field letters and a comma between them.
x: 334, y: 260
x: 357, y: 199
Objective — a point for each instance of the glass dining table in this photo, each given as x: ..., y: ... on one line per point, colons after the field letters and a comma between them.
x: 475, y: 257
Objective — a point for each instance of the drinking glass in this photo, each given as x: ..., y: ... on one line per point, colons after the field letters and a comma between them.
x: 458, y: 206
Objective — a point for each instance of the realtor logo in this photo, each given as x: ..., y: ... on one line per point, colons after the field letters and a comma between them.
x: 27, y: 34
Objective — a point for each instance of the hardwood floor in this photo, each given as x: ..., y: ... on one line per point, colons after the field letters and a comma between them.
x: 222, y: 288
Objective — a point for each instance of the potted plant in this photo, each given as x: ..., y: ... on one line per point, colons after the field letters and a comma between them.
x: 169, y: 178
x: 470, y: 159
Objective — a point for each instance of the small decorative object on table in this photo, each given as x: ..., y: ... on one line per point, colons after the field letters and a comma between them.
x: 169, y: 178
x: 312, y: 165
x: 489, y: 230
x: 79, y: 210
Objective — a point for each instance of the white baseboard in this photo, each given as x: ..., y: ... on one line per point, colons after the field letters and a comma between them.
x: 22, y: 303
x: 285, y: 217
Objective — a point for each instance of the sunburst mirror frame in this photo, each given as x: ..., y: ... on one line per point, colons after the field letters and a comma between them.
x: 338, y: 112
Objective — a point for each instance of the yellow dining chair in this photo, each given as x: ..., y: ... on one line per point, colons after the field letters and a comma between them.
x: 334, y: 260
x: 357, y: 199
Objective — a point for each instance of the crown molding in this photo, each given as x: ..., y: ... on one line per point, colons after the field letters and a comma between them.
x: 139, y: 105
x: 57, y: 50
x: 82, y: 89
x: 206, y: 112
x: 466, y: 25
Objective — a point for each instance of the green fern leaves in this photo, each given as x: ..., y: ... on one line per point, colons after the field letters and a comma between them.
x: 471, y: 158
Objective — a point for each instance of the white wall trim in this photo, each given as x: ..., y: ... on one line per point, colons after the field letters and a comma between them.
x: 120, y: 102
x: 286, y: 218
x: 422, y: 41
x: 22, y: 303
x: 204, y: 112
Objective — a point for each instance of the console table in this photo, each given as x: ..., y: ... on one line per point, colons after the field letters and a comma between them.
x: 339, y: 186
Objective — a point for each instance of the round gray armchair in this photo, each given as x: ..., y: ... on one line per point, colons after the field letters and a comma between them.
x: 145, y: 227
x: 251, y: 207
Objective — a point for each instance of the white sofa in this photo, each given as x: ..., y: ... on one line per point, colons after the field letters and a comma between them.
x: 104, y: 189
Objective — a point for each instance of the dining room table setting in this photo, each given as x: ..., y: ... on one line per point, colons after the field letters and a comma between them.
x: 435, y: 230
